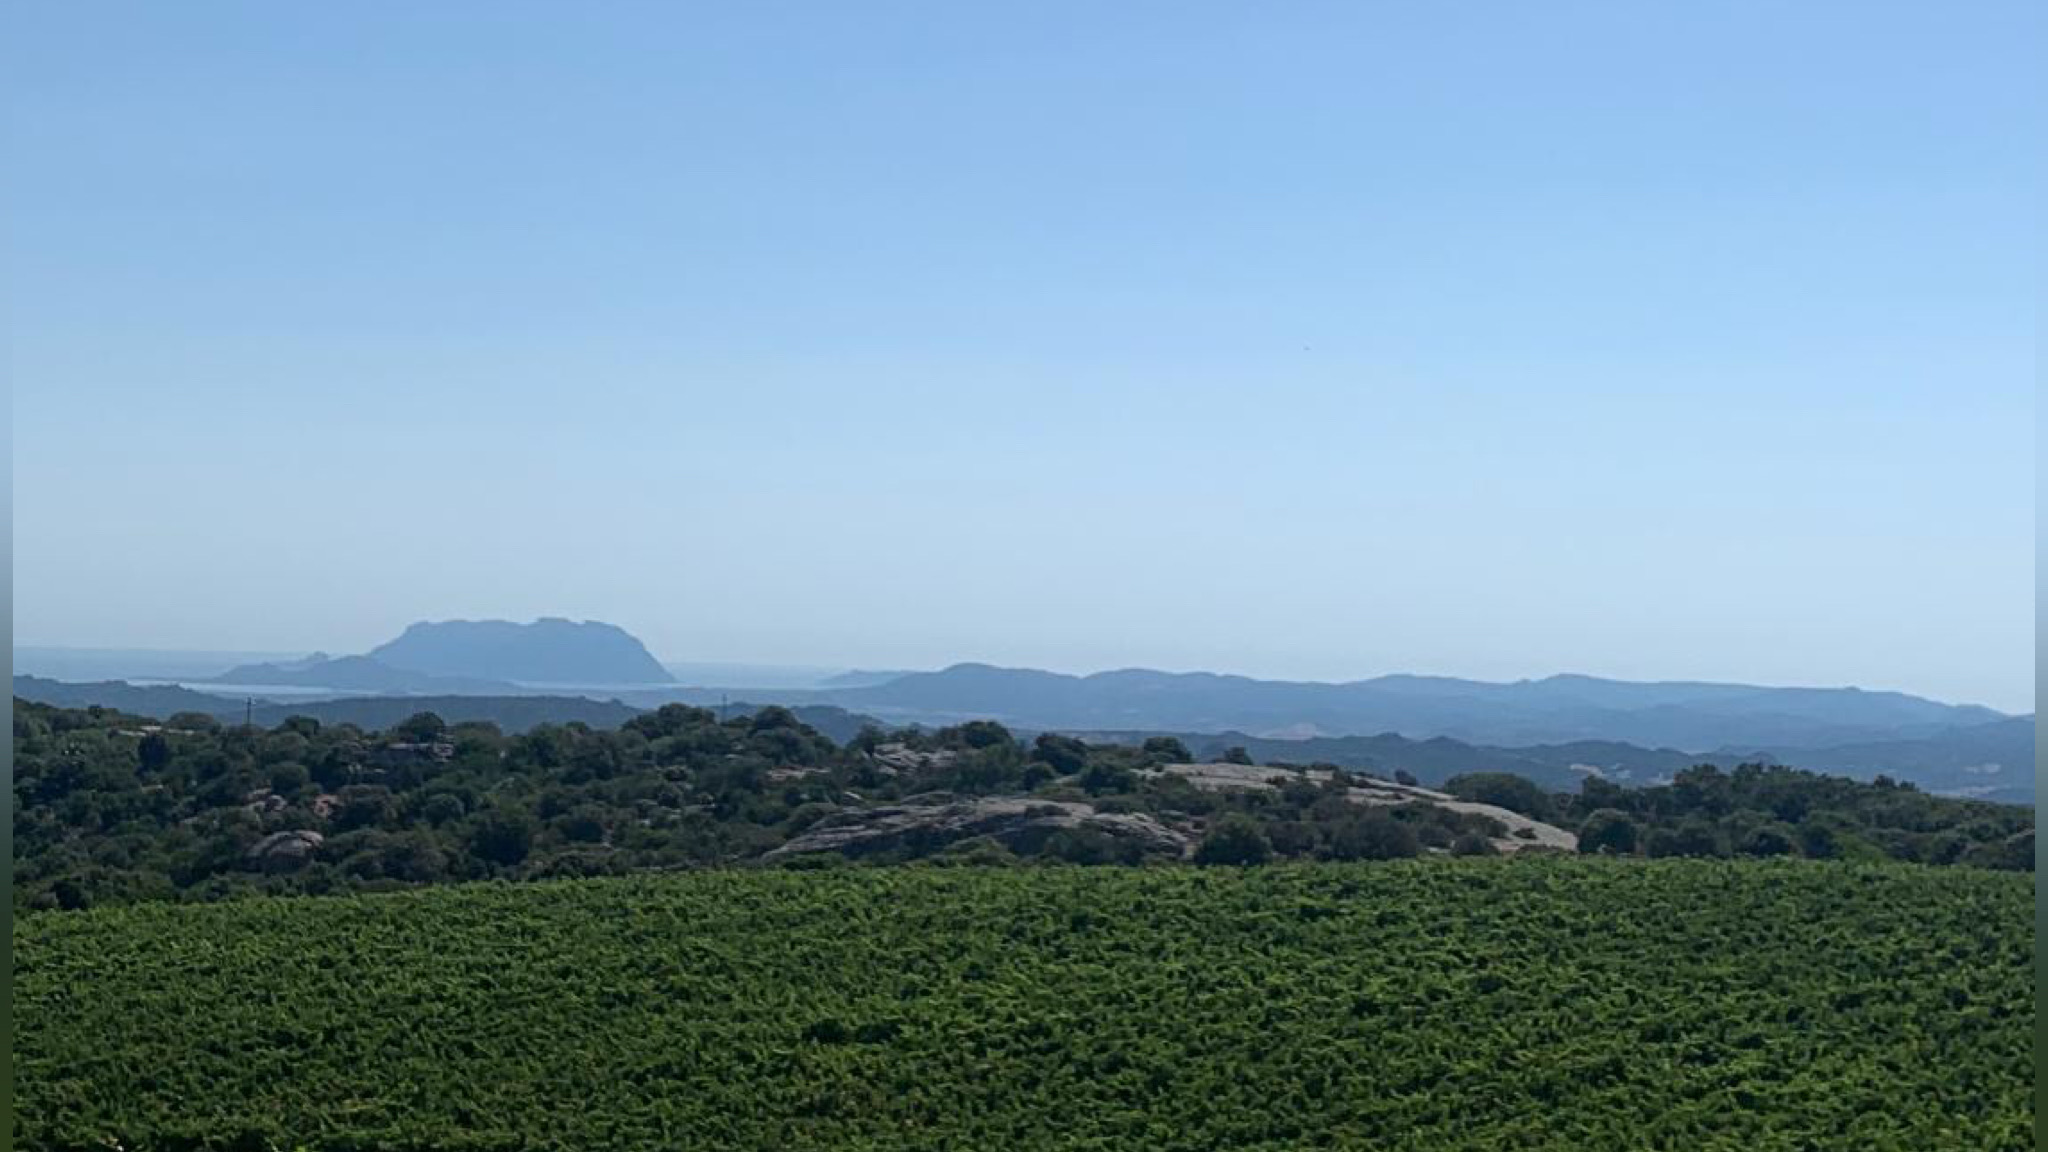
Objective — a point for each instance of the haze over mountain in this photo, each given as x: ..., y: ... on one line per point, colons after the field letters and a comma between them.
x: 1992, y: 761
x: 157, y: 700
x: 495, y: 657
x: 1555, y: 730
x: 1695, y: 717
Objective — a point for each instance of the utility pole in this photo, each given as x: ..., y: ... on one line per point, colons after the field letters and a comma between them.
x: 249, y: 712
x: 721, y: 707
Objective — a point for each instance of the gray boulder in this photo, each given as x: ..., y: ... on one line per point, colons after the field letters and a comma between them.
x: 281, y: 851
x: 1018, y: 822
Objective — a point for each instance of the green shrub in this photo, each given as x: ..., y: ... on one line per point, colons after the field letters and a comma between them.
x: 1502, y: 790
x: 1236, y: 839
x: 1608, y: 832
x: 1373, y: 835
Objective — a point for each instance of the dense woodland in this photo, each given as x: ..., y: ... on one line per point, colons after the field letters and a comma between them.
x: 110, y: 808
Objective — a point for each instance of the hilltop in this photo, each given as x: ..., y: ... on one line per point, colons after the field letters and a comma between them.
x: 112, y: 808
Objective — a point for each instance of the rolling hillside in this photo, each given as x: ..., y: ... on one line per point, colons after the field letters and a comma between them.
x: 1991, y: 761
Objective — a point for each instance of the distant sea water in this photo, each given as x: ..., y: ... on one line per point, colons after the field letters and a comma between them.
x: 161, y: 665
x: 709, y: 674
x: 194, y: 669
x: 300, y: 691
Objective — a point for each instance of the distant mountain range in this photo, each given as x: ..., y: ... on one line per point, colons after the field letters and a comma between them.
x: 557, y: 656
x: 1555, y: 730
x: 157, y: 700
x: 1992, y: 761
x: 1694, y: 717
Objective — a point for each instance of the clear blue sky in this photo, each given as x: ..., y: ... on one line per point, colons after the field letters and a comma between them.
x: 1309, y: 340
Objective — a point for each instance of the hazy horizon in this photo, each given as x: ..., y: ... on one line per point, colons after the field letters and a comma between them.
x: 1313, y: 344
x: 824, y: 668
x: 1442, y: 575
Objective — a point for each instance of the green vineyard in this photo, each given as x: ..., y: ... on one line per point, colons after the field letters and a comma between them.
x: 1418, y: 1006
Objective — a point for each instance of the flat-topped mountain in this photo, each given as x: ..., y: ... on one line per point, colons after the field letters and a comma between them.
x: 550, y: 650
x: 494, y: 657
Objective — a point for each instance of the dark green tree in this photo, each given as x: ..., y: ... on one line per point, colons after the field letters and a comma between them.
x: 364, y: 806
x: 1236, y: 839
x: 1167, y: 749
x: 153, y: 752
x: 980, y: 734
x: 1106, y: 776
x: 1502, y: 790
x: 288, y: 777
x: 503, y: 836
x: 442, y: 808
x: 1769, y: 840
x: 1291, y: 838
x: 1608, y: 831
x: 1373, y: 835
x: 1473, y: 844
x: 420, y: 728
x: 1066, y: 754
